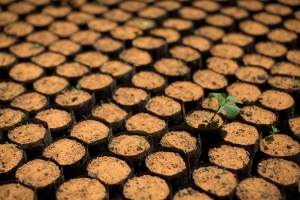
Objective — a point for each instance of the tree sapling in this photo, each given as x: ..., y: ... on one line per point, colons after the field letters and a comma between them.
x: 224, y: 104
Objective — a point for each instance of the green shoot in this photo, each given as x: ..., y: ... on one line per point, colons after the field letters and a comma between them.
x: 36, y: 45
x: 78, y: 86
x: 87, y: 117
x: 224, y: 104
x: 141, y: 143
x: 270, y: 138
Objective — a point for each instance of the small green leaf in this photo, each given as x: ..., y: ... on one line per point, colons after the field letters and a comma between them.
x: 36, y: 45
x: 231, y: 111
x: 78, y: 86
x: 141, y: 144
x: 207, y: 116
x: 221, y: 97
x: 232, y: 99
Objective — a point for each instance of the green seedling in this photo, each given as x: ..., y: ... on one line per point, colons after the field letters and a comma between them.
x: 224, y: 104
x: 296, y: 81
x: 141, y: 143
x: 87, y: 117
x: 36, y: 45
x: 270, y: 138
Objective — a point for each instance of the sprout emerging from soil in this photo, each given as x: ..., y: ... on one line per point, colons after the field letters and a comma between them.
x: 224, y: 104
x: 270, y: 138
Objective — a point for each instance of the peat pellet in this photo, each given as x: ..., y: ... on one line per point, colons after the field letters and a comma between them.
x: 224, y: 66
x: 149, y: 81
x: 134, y: 146
x: 260, y: 115
x: 9, y: 90
x: 258, y: 60
x: 131, y: 98
x: 208, y: 6
x: 11, y: 190
x: 283, y: 173
x: 210, y: 32
x: 191, y: 57
x: 190, y: 193
x: 80, y: 101
x: 150, y: 125
x: 254, y: 29
x: 252, y: 75
x: 293, y: 56
x: 72, y: 71
x: 242, y: 133
x: 147, y: 187
x: 117, y: 15
x: 82, y: 188
x: 79, y: 18
x: 185, y: 27
x: 271, y: 49
x: 109, y: 46
x: 8, y: 60
x: 294, y: 126
x: 63, y: 28
x: 33, y: 136
x: 257, y: 188
x: 59, y: 121
x: 132, y: 6
x: 112, y: 115
x: 232, y: 157
x: 139, y: 59
x: 166, y: 108
x: 12, y: 156
x: 101, y: 84
x: 279, y: 9
x: 251, y: 6
x: 222, y: 21
x: 209, y: 132
x: 185, y: 139
x: 210, y: 81
x: 93, y: 133
x: 100, y: 168
x: 18, y: 29
x: 228, y: 51
x: 171, y: 36
x: 43, y: 175
x: 157, y: 47
x: 240, y: 39
x: 85, y: 37
x: 244, y: 92
x: 286, y: 84
x: 30, y: 102
x: 154, y: 13
x: 190, y: 94
x: 111, y: 3
x: 70, y: 153
x: 172, y: 68
x: 285, y: 68
x: 120, y: 71
x: 7, y: 18
x: 216, y: 181
x: 26, y: 50
x: 170, y: 164
x: 141, y: 23
x: 199, y: 43
x: 65, y: 47
x: 91, y: 59
x: 171, y: 7
x: 43, y: 37
x: 126, y: 34
x: 283, y: 36
x: 50, y: 86
x: 281, y: 146
x: 21, y: 8
x: 292, y: 25
x: 280, y: 101
x: 10, y: 117
x: 6, y: 41
x: 39, y: 4
x: 236, y: 12
x: 196, y: 15
x: 102, y: 25
x: 268, y: 19
x: 39, y: 20
x: 49, y: 60
x: 57, y: 11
